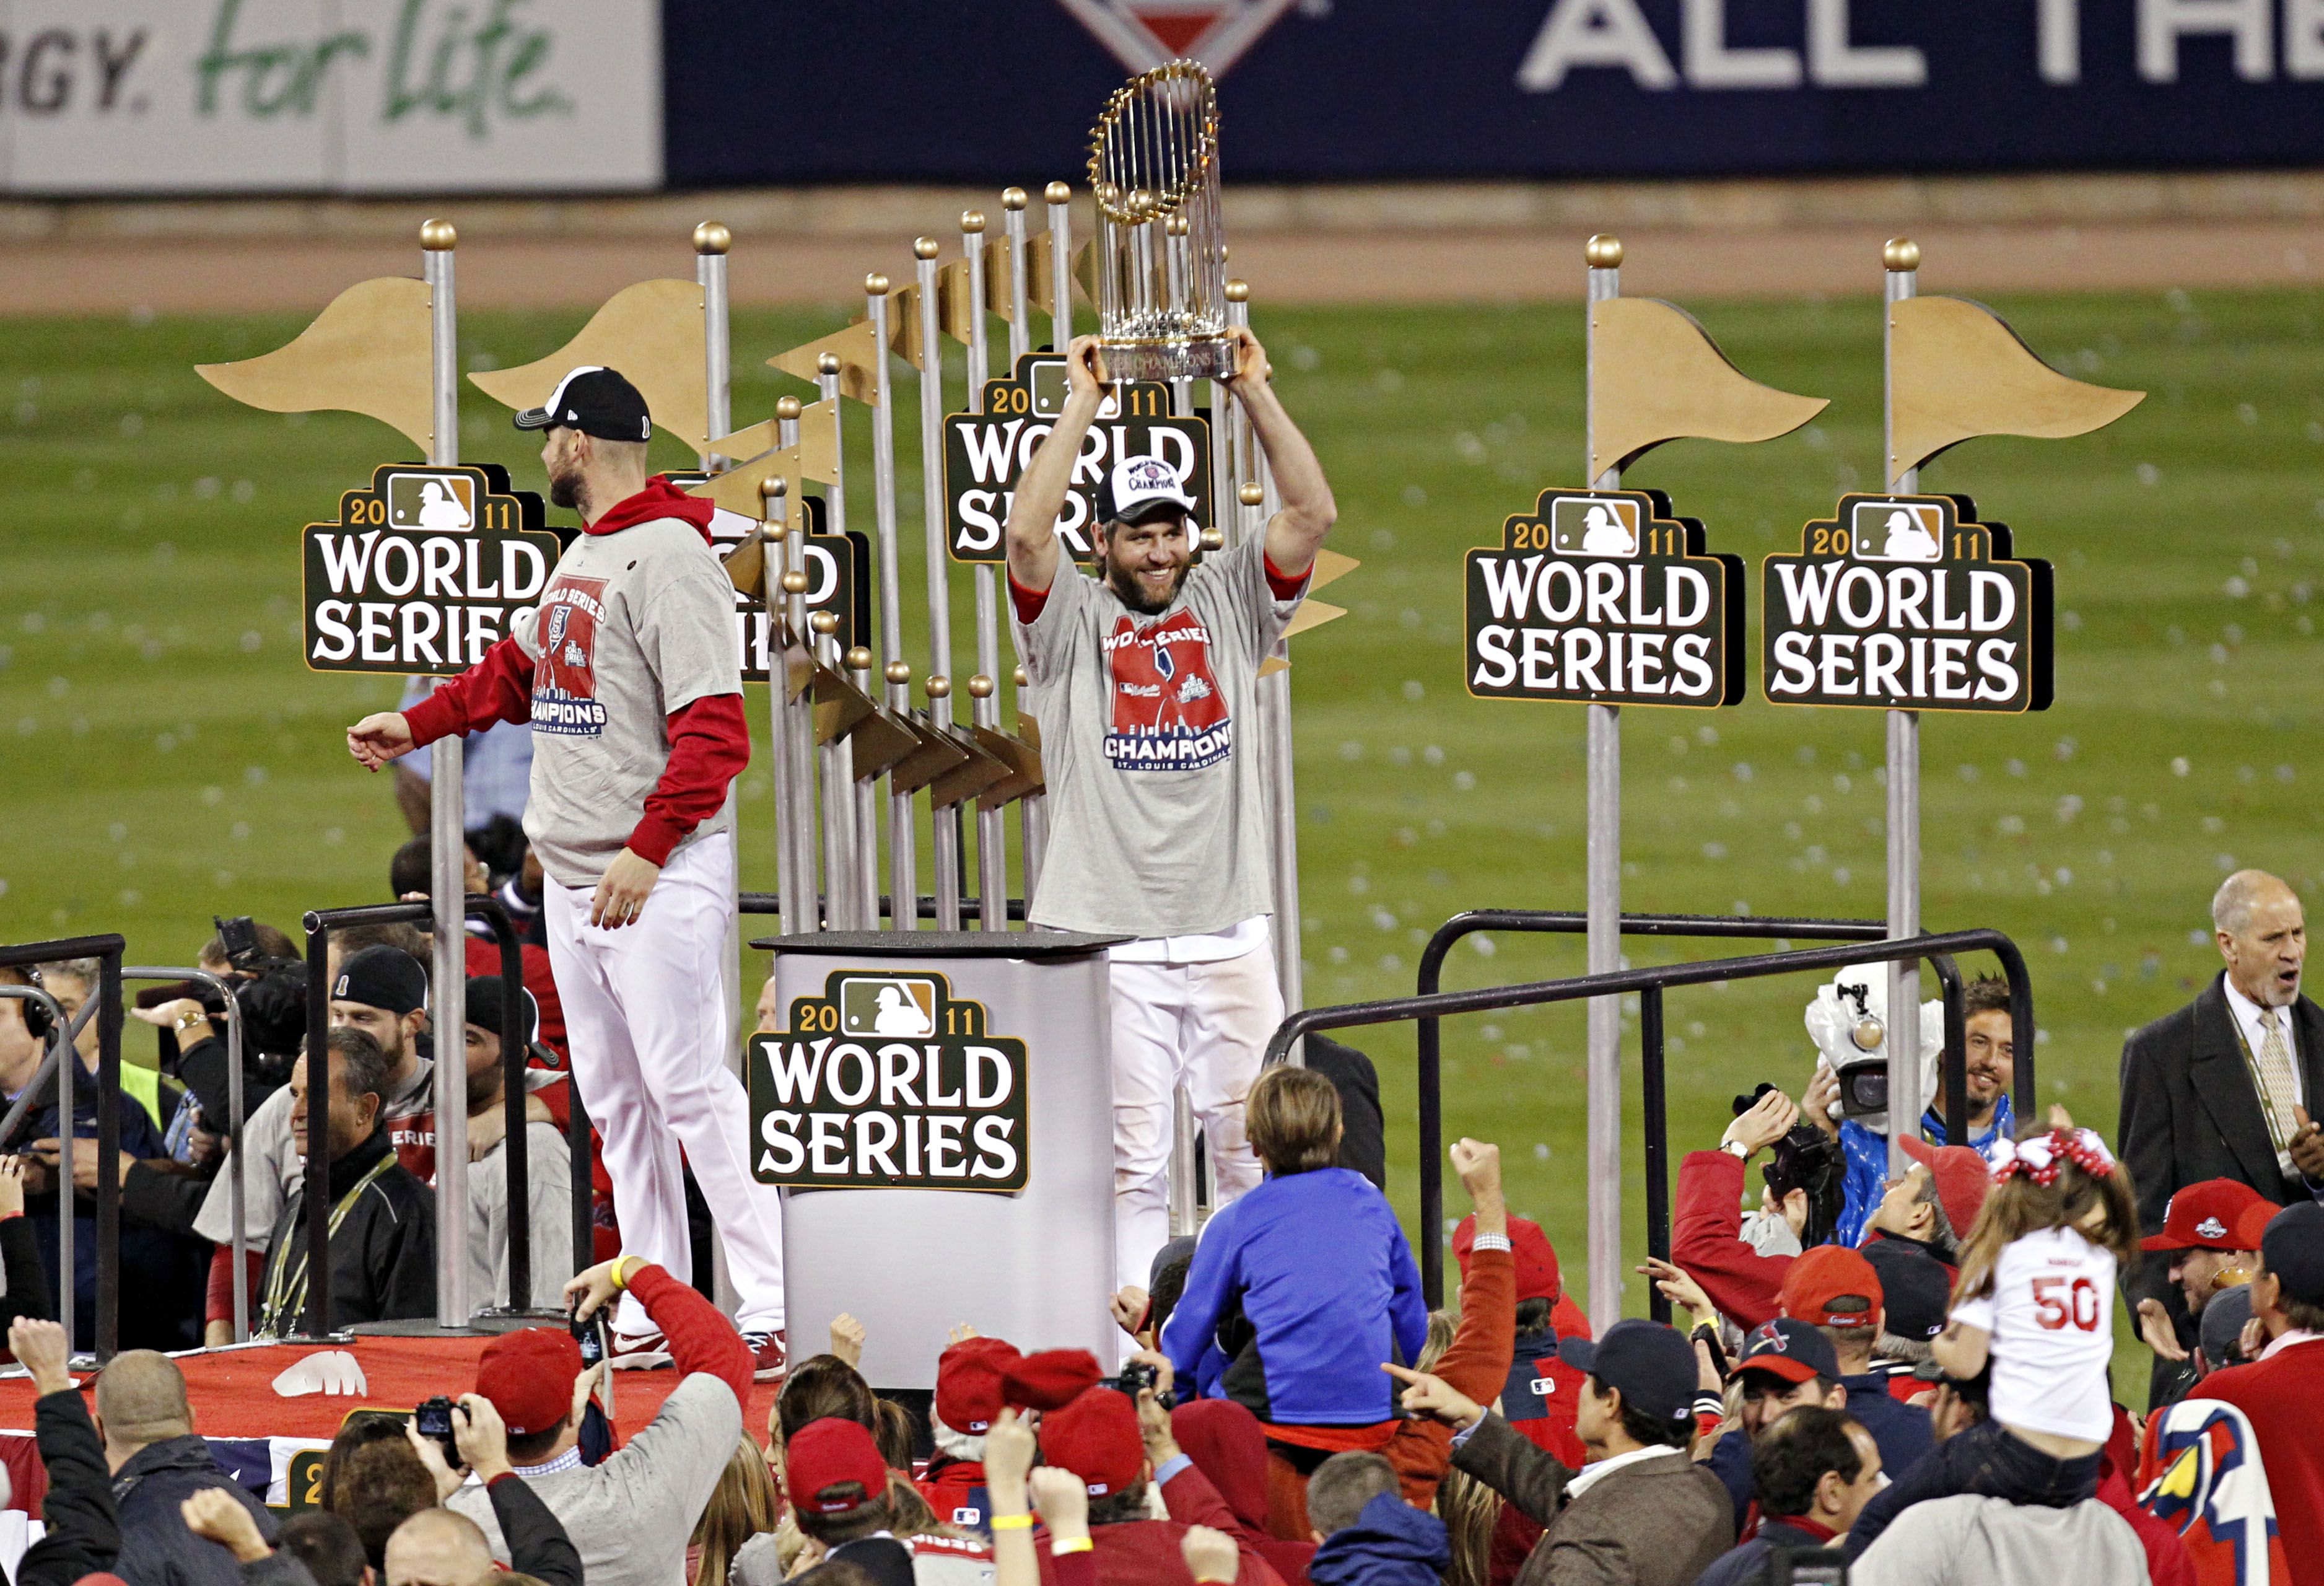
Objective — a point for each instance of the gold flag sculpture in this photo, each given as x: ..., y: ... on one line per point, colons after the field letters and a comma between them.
x: 1656, y: 376
x: 1955, y: 372
x: 818, y: 442
x: 368, y: 353
x: 652, y: 333
x: 1330, y: 566
x: 859, y: 361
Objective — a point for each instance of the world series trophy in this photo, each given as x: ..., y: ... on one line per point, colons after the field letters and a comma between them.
x: 1160, y: 259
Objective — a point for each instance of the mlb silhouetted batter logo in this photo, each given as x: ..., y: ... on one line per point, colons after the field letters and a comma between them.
x: 1168, y: 714
x: 565, y: 684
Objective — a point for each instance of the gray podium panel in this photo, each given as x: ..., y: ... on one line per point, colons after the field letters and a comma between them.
x: 910, y: 1043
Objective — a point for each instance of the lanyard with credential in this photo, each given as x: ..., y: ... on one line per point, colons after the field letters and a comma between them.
x: 280, y: 1303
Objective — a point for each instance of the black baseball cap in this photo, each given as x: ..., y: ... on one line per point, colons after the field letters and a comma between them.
x: 381, y: 977
x: 486, y: 1000
x: 1914, y: 1287
x: 2292, y: 1248
x: 1651, y: 1365
x: 1789, y: 1351
x: 596, y: 402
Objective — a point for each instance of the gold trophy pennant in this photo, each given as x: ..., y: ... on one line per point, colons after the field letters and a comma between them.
x: 1331, y: 566
x: 652, y: 334
x: 818, y: 445
x: 368, y: 352
x: 1313, y: 615
x: 1656, y: 376
x: 1956, y: 371
x: 998, y: 298
x: 956, y: 310
x: 859, y: 361
x: 904, y: 325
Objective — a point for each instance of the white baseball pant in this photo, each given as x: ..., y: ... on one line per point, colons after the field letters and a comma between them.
x: 650, y: 1030
x: 1206, y: 1026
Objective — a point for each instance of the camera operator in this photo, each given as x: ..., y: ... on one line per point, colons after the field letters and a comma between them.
x: 537, y: 1542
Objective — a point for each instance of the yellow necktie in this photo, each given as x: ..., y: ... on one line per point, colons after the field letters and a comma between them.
x: 2279, y: 1085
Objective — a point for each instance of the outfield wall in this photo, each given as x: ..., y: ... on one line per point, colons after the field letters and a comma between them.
x: 122, y: 97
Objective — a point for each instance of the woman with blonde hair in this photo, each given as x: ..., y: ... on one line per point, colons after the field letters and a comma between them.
x: 743, y: 1503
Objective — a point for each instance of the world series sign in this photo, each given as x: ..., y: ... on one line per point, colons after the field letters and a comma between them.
x: 423, y: 570
x: 1906, y: 603
x: 838, y: 570
x: 888, y: 1082
x: 1603, y: 597
x: 985, y: 454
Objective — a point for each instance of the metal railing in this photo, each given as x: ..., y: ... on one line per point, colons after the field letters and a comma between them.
x: 450, y: 1048
x: 106, y: 999
x: 1655, y: 979
x: 969, y: 908
x: 238, y: 1169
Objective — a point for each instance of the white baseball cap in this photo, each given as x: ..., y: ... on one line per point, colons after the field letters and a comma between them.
x: 1143, y: 488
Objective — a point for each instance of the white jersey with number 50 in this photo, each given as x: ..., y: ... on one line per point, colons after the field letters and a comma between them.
x: 2051, y: 1314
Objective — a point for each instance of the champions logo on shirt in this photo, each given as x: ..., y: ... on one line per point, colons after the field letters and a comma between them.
x: 1168, y: 714
x: 565, y: 683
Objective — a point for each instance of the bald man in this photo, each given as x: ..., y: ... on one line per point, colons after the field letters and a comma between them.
x: 436, y: 1547
x: 2227, y: 1087
x: 158, y: 1463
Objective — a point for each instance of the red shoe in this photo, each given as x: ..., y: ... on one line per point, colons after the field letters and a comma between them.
x: 769, y: 1360
x: 638, y: 1351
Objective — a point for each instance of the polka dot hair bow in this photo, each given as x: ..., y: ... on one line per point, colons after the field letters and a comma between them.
x: 2040, y: 1157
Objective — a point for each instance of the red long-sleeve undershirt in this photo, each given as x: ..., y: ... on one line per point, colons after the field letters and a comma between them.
x: 700, y: 1338
x: 709, y: 743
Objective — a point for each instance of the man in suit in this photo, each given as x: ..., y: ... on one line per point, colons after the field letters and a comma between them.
x: 1641, y: 1512
x: 2224, y: 1087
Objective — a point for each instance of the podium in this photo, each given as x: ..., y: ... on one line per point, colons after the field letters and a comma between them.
x: 939, y: 1108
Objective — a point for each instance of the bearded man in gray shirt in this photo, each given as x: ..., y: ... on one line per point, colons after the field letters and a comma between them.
x: 1142, y: 679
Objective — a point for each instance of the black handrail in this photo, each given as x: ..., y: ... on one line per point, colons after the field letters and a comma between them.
x: 107, y: 950
x: 450, y: 1048
x: 1536, y: 994
x: 1653, y: 1093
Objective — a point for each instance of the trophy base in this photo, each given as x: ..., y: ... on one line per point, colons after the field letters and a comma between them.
x: 1209, y: 358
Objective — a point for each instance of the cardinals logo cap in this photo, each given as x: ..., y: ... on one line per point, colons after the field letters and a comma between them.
x: 595, y: 401
x: 1140, y: 489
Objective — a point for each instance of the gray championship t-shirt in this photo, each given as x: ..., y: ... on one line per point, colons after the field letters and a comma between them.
x: 633, y: 625
x: 1157, y: 825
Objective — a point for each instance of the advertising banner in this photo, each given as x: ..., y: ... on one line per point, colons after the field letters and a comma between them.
x: 329, y: 95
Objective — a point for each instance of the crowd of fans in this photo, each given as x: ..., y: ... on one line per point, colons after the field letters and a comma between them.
x: 1903, y: 1374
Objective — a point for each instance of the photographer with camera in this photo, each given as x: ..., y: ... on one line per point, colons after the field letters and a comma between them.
x: 467, y: 1437
x: 632, y: 1513
x: 1306, y: 1284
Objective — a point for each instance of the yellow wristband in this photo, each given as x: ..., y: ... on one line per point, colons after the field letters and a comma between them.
x: 621, y: 1284
x: 1070, y: 1544
x: 1012, y: 1522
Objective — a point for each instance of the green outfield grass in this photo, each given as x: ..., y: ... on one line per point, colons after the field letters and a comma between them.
x: 167, y: 756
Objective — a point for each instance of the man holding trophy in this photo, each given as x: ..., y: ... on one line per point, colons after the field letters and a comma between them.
x: 1142, y: 677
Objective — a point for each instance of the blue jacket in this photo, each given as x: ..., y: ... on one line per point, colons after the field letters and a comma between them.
x: 1391, y: 1543
x: 1310, y: 1277
x: 1867, y: 1152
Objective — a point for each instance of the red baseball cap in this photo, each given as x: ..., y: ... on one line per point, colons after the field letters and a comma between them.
x: 2208, y: 1217
x: 1049, y: 1381
x: 1962, y: 1178
x: 1097, y: 1437
x: 1832, y: 1286
x: 825, y: 1453
x: 529, y: 1376
x: 1536, y: 1257
x: 968, y: 1377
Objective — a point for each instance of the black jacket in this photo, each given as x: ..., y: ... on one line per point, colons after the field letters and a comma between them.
x: 84, y: 1535
x: 2190, y: 1113
x: 538, y: 1544
x: 157, y: 1550
x: 383, y: 1258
